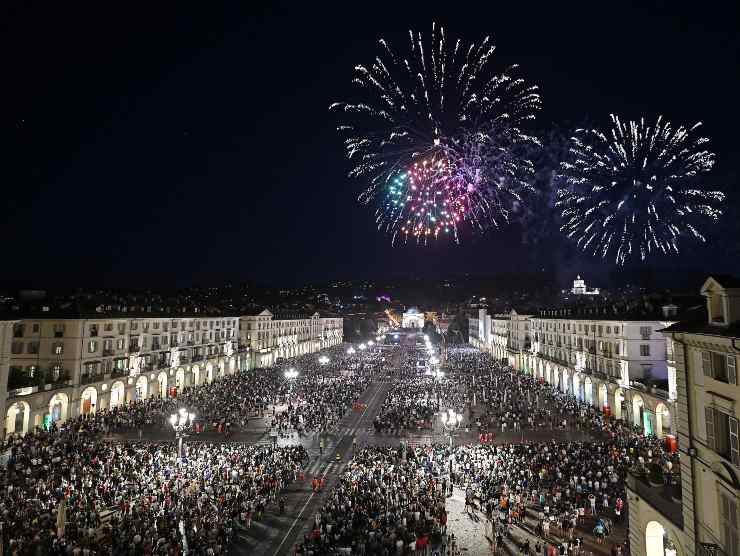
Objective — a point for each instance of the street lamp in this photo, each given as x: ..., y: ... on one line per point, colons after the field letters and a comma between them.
x: 363, y: 347
x: 451, y: 422
x: 323, y: 360
x: 180, y: 422
x: 290, y: 374
x: 370, y: 343
x: 351, y: 351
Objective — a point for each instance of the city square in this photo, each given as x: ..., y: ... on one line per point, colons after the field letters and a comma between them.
x: 370, y: 279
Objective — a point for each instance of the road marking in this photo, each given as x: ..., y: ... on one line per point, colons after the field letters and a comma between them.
x: 328, y: 467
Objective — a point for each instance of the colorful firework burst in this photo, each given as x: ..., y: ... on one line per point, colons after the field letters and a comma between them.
x: 636, y: 189
x: 424, y: 202
x: 494, y: 171
x: 427, y: 102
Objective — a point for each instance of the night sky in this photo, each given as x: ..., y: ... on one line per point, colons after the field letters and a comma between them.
x: 157, y: 145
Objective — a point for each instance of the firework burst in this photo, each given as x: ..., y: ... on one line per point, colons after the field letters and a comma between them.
x: 636, y: 189
x: 427, y: 103
x: 424, y: 202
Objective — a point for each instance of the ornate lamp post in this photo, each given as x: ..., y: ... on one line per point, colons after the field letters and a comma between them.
x: 451, y: 421
x: 181, y: 422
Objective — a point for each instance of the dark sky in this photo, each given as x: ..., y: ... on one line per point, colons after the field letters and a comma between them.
x: 169, y: 145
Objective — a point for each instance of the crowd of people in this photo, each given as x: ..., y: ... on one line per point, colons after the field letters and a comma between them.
x: 417, y: 396
x: 70, y: 492
x: 388, y: 501
x: 71, y: 489
x: 74, y: 490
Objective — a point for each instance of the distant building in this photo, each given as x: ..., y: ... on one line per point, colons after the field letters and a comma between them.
x: 60, y: 366
x: 413, y: 319
x: 579, y: 287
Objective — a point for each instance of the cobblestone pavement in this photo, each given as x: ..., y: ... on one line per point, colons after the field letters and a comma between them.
x: 469, y: 528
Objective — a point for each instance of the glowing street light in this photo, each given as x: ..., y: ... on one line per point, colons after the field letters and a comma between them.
x: 351, y: 351
x: 323, y: 360
x: 370, y: 343
x: 180, y: 421
x: 290, y: 374
x: 451, y: 421
x: 363, y: 347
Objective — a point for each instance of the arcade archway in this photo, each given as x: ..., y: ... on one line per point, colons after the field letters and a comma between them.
x: 17, y: 418
x: 88, y: 400
x: 117, y: 394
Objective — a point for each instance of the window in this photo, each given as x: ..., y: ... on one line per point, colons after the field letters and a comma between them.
x: 146, y: 327
x: 108, y: 327
x: 719, y: 366
x: 33, y: 347
x: 722, y: 434
x: 121, y: 327
x: 645, y: 332
x: 92, y: 346
x: 16, y: 348
x: 93, y: 330
x: 36, y: 327
x: 91, y: 369
x: 18, y: 330
x: 56, y: 372
x: 120, y: 343
x: 644, y: 350
x: 57, y: 348
x: 166, y: 326
x: 58, y: 330
x: 156, y: 325
x: 107, y: 346
x: 134, y: 325
x: 616, y: 348
x: 608, y: 329
x: 728, y: 517
x: 108, y: 366
x: 32, y: 370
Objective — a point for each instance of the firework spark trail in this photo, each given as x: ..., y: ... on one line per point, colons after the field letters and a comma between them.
x: 636, y: 189
x: 428, y: 103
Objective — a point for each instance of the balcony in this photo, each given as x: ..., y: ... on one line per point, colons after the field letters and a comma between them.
x: 107, y: 352
x: 134, y: 348
x: 710, y: 549
x: 665, y: 498
x: 197, y: 357
x: 117, y: 373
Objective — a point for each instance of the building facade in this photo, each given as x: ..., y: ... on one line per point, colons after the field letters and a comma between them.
x: 609, y: 362
x: 6, y: 334
x: 60, y: 368
x: 413, y: 319
x: 704, y: 354
x: 271, y: 337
